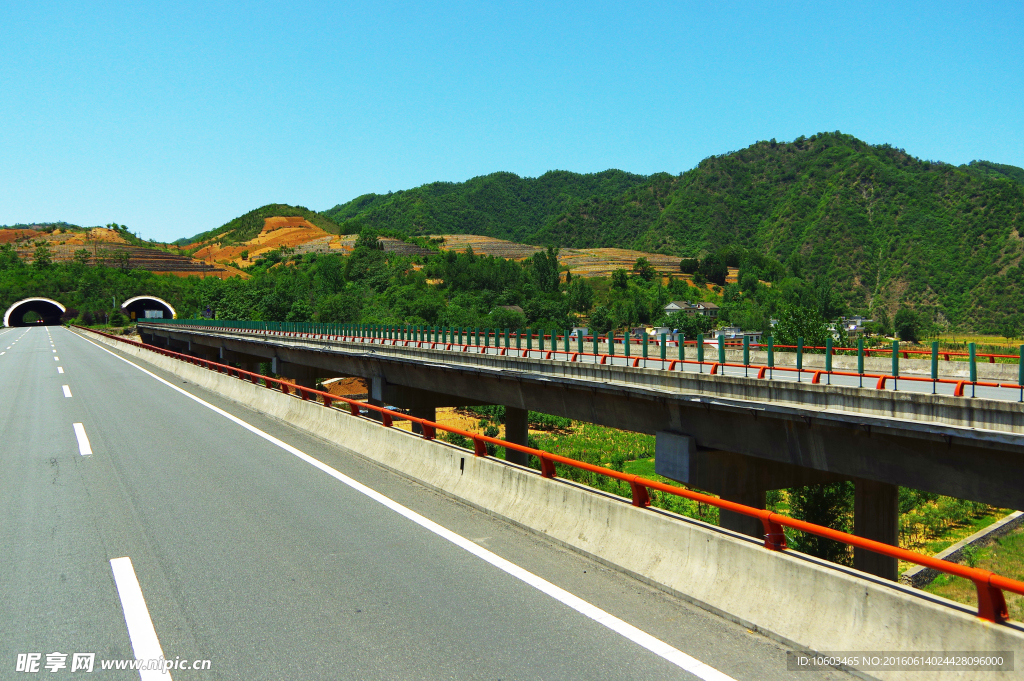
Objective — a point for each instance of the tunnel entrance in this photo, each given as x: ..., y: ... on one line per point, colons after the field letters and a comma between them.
x: 33, y: 311
x: 147, y: 307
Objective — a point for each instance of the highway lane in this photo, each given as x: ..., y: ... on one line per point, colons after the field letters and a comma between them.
x: 252, y: 558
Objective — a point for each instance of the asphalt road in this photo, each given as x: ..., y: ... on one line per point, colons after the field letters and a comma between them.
x: 250, y: 557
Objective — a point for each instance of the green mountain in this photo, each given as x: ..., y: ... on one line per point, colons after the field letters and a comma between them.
x: 500, y: 205
x: 887, y: 228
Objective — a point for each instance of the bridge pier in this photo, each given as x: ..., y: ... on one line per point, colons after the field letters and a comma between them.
x: 305, y: 376
x: 876, y: 515
x: 244, y: 361
x: 517, y: 431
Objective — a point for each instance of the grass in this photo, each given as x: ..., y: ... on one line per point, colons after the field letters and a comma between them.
x: 1004, y: 557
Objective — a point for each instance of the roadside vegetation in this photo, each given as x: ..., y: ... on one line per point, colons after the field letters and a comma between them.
x: 1005, y: 557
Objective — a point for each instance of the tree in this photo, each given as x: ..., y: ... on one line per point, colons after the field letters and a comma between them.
x: 620, y: 279
x: 830, y: 305
x: 881, y: 321
x: 42, y: 259
x: 580, y: 295
x: 689, y: 265
x: 800, y: 322
x: 691, y: 324
x: 829, y: 505
x: 9, y: 259
x: 643, y: 269
x: 601, y: 320
x: 713, y: 269
x: 544, y: 267
x: 908, y: 325
x: 504, y: 318
x: 81, y: 257
x: 346, y: 306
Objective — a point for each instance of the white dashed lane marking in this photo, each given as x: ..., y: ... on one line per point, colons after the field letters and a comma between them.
x: 67, y: 390
x: 84, y: 448
x: 145, y: 644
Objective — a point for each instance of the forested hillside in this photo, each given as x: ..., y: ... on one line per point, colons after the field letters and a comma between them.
x: 501, y: 205
x: 889, y: 229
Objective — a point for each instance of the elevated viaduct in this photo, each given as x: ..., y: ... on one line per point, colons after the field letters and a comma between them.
x: 734, y: 436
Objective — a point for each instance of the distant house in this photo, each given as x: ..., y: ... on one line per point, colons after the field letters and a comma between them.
x: 706, y: 309
x: 854, y: 326
x: 735, y: 333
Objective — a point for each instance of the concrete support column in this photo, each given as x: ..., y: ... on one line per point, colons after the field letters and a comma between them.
x: 517, y: 430
x: 428, y: 413
x: 303, y: 375
x: 876, y: 515
x: 737, y: 522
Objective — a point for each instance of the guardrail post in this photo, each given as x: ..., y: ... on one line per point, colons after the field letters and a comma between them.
x: 529, y: 339
x: 828, y: 359
x: 645, y: 347
x: 973, y: 357
x: 774, y: 536
x: 540, y: 340
x: 1020, y: 372
x: 663, y: 338
x: 799, y: 357
x: 935, y: 364
x: 991, y: 602
x: 641, y: 498
x: 895, y: 364
x: 579, y: 343
x: 771, y: 357
x: 860, y: 362
x: 625, y: 345
x: 721, y: 352
x: 479, y: 447
x: 596, y: 340
x: 700, y: 353
x: 746, y: 354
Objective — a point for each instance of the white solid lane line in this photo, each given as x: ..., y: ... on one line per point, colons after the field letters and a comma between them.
x: 67, y: 390
x: 84, y: 448
x: 145, y: 644
x: 641, y: 638
x: 60, y: 370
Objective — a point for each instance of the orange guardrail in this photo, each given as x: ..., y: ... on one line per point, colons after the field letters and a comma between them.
x: 988, y: 585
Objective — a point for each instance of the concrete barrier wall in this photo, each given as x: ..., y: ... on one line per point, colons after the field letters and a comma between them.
x: 793, y: 598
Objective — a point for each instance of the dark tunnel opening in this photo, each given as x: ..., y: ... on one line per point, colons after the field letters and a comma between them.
x: 33, y: 312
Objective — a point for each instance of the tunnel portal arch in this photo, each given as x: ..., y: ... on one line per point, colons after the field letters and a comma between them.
x: 49, y: 311
x: 139, y: 306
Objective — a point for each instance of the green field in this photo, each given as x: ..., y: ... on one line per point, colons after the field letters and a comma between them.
x: 1004, y: 557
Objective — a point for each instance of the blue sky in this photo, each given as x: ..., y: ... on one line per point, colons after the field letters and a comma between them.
x: 175, y: 118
